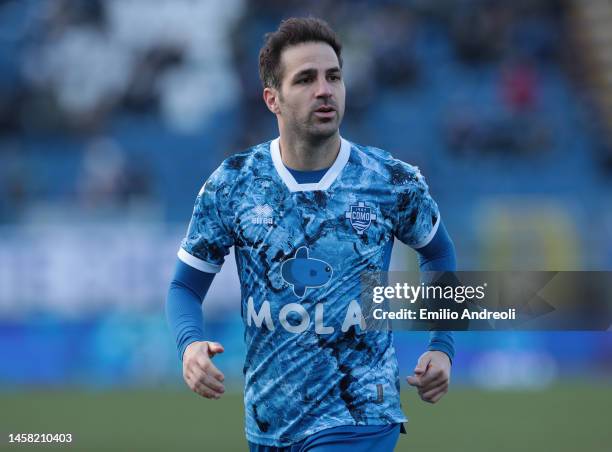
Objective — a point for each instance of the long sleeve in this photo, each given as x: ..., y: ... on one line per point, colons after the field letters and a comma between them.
x: 439, y: 255
x: 184, y: 304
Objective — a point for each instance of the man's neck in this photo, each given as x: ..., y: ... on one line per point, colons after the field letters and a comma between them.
x: 305, y: 156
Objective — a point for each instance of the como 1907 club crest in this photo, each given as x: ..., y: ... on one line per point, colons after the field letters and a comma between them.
x: 361, y: 216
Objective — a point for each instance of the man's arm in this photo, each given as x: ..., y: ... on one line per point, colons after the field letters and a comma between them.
x: 184, y: 316
x: 439, y: 255
x: 432, y: 372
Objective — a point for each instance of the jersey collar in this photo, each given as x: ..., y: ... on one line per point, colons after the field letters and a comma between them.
x: 325, y: 182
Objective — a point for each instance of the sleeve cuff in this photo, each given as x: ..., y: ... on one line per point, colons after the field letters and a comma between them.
x: 433, y: 348
x: 429, y: 236
x: 442, y: 341
x: 196, y: 263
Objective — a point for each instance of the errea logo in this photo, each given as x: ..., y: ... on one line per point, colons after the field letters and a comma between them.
x: 262, y: 214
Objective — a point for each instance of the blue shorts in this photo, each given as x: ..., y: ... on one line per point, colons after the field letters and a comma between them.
x: 346, y: 438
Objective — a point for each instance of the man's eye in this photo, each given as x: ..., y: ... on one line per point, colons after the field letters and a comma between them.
x: 334, y: 78
x: 303, y: 81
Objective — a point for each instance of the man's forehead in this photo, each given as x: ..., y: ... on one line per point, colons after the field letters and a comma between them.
x: 309, y: 55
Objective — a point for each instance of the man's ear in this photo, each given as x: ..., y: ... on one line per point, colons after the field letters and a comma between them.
x: 270, y: 97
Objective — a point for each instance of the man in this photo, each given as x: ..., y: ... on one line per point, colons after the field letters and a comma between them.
x: 308, y: 213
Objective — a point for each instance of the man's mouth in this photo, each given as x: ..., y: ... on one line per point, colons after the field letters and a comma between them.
x: 325, y: 111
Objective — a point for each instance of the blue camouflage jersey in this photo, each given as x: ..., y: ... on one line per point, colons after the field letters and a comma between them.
x: 300, y: 251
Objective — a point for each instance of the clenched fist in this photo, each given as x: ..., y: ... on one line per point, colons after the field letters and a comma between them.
x: 431, y: 376
x: 200, y: 373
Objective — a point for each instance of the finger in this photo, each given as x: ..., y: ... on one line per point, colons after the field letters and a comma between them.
x: 206, y: 365
x: 432, y: 394
x: 194, y: 386
x: 433, y: 377
x: 414, y: 381
x: 203, y: 376
x: 214, y: 348
x: 214, y: 372
x: 422, y: 364
x: 438, y: 396
x: 425, y: 388
x: 208, y: 389
x: 212, y: 383
x: 205, y: 391
x: 435, y: 396
x: 197, y: 383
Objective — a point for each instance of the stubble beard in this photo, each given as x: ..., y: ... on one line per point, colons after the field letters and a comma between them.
x: 314, y: 130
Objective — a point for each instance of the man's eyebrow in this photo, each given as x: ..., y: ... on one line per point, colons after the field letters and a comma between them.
x: 313, y: 71
x: 309, y: 71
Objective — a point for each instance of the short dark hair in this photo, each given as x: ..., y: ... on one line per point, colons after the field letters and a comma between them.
x: 293, y: 31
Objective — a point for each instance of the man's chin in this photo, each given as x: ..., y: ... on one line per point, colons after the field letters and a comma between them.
x: 324, y: 130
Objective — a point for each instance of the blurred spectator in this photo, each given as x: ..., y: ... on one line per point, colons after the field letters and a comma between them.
x: 479, y: 30
x: 14, y: 183
x: 142, y: 91
x: 61, y: 14
x: 107, y: 178
x: 519, y: 86
x: 103, y: 175
x: 393, y: 29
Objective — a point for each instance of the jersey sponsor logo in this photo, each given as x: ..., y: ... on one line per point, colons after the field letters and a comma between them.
x: 303, y: 272
x: 361, y: 216
x: 262, y: 214
x: 295, y: 311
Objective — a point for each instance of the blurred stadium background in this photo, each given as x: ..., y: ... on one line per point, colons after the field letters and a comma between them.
x: 113, y: 113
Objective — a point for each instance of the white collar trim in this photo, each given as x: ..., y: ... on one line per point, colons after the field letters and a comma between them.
x: 325, y: 182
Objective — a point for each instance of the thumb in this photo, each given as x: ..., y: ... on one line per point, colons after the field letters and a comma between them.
x: 214, y: 348
x: 413, y: 381
x: 422, y: 364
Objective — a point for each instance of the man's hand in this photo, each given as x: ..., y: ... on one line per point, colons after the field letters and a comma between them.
x: 199, y: 372
x: 431, y: 376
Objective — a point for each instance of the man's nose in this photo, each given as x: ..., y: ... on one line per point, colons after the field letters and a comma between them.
x: 323, y: 88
